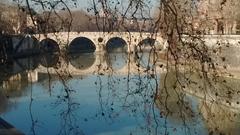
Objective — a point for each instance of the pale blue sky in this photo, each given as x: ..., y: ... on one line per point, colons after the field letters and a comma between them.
x: 84, y: 4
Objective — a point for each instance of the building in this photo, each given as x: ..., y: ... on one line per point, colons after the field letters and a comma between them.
x: 15, y: 19
x: 216, y: 17
x: 12, y: 19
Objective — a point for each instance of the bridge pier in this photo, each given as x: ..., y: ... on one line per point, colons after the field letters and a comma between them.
x: 100, y: 47
x: 32, y: 76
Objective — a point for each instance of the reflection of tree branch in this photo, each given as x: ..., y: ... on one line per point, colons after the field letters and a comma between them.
x: 34, y: 122
x: 100, y: 97
x: 171, y: 21
x: 69, y: 121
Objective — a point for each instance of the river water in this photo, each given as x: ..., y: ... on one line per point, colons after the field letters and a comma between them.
x: 104, y: 103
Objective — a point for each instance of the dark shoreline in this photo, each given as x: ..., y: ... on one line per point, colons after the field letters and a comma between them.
x: 8, y: 129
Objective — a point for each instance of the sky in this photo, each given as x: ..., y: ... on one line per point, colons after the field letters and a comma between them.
x: 85, y: 4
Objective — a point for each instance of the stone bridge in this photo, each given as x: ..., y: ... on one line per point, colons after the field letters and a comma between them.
x: 102, y: 39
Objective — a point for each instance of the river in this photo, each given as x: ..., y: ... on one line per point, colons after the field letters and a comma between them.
x: 104, y: 102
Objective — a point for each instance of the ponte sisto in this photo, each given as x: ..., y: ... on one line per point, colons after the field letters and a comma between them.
x: 101, y: 39
x: 99, y: 42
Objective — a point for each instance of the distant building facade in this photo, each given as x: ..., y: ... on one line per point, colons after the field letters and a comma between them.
x: 14, y: 19
x: 211, y: 18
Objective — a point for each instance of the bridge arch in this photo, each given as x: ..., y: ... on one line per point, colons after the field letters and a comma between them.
x: 49, y: 45
x: 147, y: 52
x: 149, y: 43
x: 82, y: 45
x: 116, y: 44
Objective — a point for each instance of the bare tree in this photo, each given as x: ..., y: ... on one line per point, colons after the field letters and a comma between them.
x: 189, y: 62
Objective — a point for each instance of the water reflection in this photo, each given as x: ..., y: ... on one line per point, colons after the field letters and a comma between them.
x: 82, y: 61
x: 219, y: 119
x: 15, y: 66
x: 49, y: 59
x: 146, y: 59
x: 110, y: 103
x: 173, y: 102
x: 116, y: 44
x: 116, y: 55
x: 4, y: 103
x: 29, y: 63
x: 116, y: 61
x: 16, y: 74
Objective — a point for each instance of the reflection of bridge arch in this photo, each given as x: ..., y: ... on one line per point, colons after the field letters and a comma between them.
x: 82, y: 44
x: 93, y: 64
x: 98, y: 64
x: 82, y: 61
x: 49, y: 45
x: 75, y: 67
x: 49, y: 59
x: 116, y: 61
